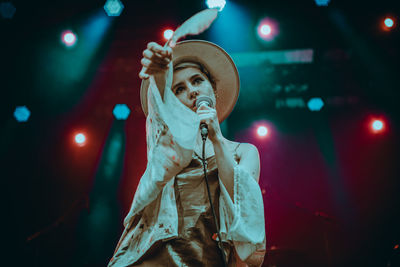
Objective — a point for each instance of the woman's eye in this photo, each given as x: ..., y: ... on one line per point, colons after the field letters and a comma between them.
x: 178, y: 90
x: 198, y: 80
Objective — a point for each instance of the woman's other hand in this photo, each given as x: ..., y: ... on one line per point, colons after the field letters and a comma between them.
x: 155, y: 60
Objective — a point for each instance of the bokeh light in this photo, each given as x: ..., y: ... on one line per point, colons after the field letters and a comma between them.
x: 220, y: 4
x: 113, y: 8
x: 377, y: 125
x: 389, y: 22
x: 7, y: 10
x: 22, y: 113
x: 80, y: 139
x: 68, y: 38
x: 322, y: 2
x: 121, y: 111
x: 267, y: 29
x: 262, y: 131
x: 168, y: 34
x: 315, y: 104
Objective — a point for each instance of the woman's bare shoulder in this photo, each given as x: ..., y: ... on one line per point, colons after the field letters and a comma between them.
x: 241, y: 148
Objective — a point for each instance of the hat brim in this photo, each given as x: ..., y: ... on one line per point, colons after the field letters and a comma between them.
x: 217, y: 62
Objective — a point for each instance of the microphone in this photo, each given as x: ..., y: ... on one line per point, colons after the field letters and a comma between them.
x: 200, y: 101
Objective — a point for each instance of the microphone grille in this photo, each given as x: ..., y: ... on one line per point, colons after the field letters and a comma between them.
x: 201, y: 99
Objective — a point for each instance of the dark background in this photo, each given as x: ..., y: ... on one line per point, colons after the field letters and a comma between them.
x: 330, y: 186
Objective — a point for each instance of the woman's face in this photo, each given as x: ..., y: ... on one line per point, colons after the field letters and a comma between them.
x: 190, y: 83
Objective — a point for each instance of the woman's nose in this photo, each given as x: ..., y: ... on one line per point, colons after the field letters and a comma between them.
x: 193, y: 92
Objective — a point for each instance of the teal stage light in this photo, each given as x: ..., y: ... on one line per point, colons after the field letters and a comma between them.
x: 121, y: 111
x: 315, y: 104
x: 220, y: 4
x: 322, y: 2
x: 22, y: 114
x: 113, y: 8
x: 7, y: 10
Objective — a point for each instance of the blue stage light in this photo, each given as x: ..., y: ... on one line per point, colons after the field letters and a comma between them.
x: 7, y: 10
x: 22, y: 113
x: 121, y: 111
x: 113, y: 8
x: 220, y: 4
x: 315, y: 104
x: 322, y: 2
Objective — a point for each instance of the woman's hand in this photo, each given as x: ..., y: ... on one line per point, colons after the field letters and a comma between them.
x: 209, y: 116
x: 155, y: 60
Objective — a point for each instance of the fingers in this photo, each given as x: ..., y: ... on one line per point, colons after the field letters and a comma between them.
x: 143, y: 75
x: 205, y: 110
x: 150, y: 65
x: 155, y: 59
x: 164, y: 51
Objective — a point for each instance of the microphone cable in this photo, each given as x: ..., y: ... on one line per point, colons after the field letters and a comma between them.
x: 203, y: 159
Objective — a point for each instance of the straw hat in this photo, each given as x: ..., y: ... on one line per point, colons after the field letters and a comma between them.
x: 218, y: 63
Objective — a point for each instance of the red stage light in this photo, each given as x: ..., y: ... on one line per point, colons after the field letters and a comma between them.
x: 168, y: 34
x: 377, y: 126
x: 80, y: 139
x: 388, y: 23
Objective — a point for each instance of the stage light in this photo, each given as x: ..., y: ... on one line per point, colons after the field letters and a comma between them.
x: 7, y: 10
x: 68, y: 38
x: 315, y: 104
x: 220, y: 4
x: 168, y: 34
x: 322, y: 2
x: 80, y: 139
x: 22, y: 113
x: 262, y: 131
x: 113, y: 8
x: 377, y: 126
x: 389, y: 22
x: 267, y: 29
x: 121, y: 111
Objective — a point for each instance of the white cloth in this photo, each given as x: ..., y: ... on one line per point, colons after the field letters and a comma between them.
x: 171, y: 135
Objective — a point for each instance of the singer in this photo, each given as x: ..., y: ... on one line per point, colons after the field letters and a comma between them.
x: 193, y: 85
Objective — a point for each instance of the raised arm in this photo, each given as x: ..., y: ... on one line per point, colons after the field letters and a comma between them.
x: 155, y: 62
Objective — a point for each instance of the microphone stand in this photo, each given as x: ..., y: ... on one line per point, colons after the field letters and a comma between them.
x: 204, y: 133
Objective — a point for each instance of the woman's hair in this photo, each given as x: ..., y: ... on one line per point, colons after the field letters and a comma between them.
x: 199, y: 66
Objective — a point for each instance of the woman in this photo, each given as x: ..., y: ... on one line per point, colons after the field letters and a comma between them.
x: 170, y: 222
